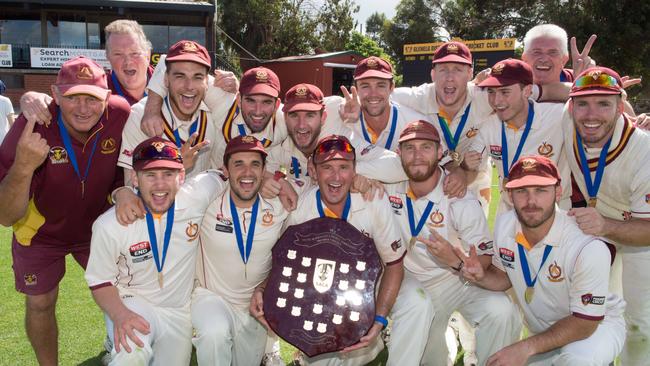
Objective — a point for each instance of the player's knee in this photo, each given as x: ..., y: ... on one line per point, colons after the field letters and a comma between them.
x: 499, y: 308
x: 45, y: 303
x: 213, y: 333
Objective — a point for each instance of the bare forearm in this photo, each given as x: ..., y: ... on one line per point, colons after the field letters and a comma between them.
x: 555, y: 92
x: 153, y: 105
x: 495, y: 279
x: 14, y: 195
x: 108, y: 299
x: 566, y: 330
x: 633, y: 232
x: 389, y: 288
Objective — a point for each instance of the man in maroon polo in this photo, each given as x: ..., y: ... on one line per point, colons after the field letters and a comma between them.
x: 54, y: 182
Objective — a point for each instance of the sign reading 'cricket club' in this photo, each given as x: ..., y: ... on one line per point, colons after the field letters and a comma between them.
x: 320, y: 295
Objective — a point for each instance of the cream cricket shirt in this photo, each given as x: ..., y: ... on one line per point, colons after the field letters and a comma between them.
x: 572, y: 281
x: 220, y: 267
x: 545, y: 138
x: 460, y: 221
x: 133, y: 135
x: 121, y: 256
x: 373, y: 218
x: 625, y: 188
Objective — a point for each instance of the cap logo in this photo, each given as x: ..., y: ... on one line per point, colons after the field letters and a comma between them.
x: 248, y: 139
x: 158, y: 145
x: 528, y: 164
x: 261, y: 76
x: 190, y: 47
x: 85, y: 73
x: 452, y: 48
x: 497, y: 69
x: 595, y: 74
x: 301, y: 91
x: 372, y: 63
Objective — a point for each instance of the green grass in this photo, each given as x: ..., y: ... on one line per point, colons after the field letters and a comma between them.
x: 81, y: 323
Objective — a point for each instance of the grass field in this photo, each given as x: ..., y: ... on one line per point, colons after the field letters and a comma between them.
x: 81, y: 324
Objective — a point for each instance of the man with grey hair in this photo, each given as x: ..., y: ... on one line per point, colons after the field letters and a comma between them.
x: 546, y: 51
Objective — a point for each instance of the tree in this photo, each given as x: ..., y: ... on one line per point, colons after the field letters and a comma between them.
x: 375, y: 27
x: 335, y: 24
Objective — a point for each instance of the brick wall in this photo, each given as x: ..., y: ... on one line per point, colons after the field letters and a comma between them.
x: 32, y: 82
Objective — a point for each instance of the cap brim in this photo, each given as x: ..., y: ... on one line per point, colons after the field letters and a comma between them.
x: 452, y: 58
x: 594, y: 92
x: 312, y: 107
x: 158, y: 164
x: 531, y: 180
x: 419, y: 136
x: 188, y: 58
x: 494, y: 82
x: 260, y: 88
x: 373, y: 74
x: 95, y: 91
x: 333, y: 155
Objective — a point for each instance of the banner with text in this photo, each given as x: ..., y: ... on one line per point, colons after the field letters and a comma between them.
x: 53, y: 58
x: 5, y: 55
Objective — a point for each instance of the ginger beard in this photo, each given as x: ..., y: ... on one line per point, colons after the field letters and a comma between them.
x: 419, y: 159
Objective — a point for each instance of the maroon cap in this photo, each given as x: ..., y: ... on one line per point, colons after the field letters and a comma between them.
x: 373, y: 67
x: 452, y: 52
x: 303, y: 97
x: 157, y: 152
x: 597, y: 80
x: 508, y: 72
x: 533, y: 170
x: 259, y: 80
x: 419, y: 130
x: 243, y: 144
x: 333, y: 147
x: 188, y: 51
x: 81, y: 75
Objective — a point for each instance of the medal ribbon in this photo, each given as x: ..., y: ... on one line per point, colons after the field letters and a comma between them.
x: 118, y: 87
x: 346, y: 208
x: 524, y: 264
x: 154, y: 240
x: 504, y: 141
x: 295, y: 165
x: 592, y: 186
x: 391, y: 133
x: 68, y: 147
x: 245, y: 253
x: 415, y: 230
x: 452, y: 141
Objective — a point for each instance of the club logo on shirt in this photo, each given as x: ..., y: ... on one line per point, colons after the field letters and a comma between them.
x: 594, y: 300
x: 108, y: 146
x: 367, y: 149
x: 471, y: 132
x: 395, y: 202
x: 267, y: 218
x: 396, y: 245
x: 485, y: 246
x: 495, y: 152
x: 58, y: 155
x: 223, y: 224
x: 30, y: 279
x: 545, y: 149
x: 192, y: 231
x: 555, y: 273
x: 437, y: 219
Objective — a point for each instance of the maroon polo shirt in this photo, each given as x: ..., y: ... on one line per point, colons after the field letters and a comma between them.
x: 119, y: 89
x: 56, y: 189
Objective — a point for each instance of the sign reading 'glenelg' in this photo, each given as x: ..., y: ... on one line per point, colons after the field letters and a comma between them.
x: 53, y: 58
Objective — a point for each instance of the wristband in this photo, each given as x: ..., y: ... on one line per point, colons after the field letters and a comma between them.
x: 381, y: 320
x: 460, y: 266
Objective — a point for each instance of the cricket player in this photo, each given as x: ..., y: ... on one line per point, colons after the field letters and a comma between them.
x: 608, y: 158
x: 432, y: 224
x: 54, y: 182
x: 334, y: 160
x: 519, y: 127
x: 558, y: 274
x: 142, y: 275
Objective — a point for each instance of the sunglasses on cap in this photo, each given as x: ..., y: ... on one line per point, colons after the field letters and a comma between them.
x: 603, y: 80
x: 152, y: 152
x: 334, y: 144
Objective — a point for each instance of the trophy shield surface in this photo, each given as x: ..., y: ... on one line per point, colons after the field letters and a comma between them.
x: 320, y: 294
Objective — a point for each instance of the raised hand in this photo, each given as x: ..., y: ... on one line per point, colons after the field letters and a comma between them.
x: 581, y: 60
x: 32, y: 149
x: 349, y: 112
x: 189, y: 152
x: 472, y: 269
x: 226, y: 80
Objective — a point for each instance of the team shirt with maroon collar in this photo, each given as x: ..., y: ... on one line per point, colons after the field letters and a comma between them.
x: 122, y: 256
x: 573, y: 280
x: 117, y: 89
x: 460, y: 221
x: 61, y: 210
x: 625, y: 189
x: 373, y: 218
x: 220, y: 267
x: 545, y: 138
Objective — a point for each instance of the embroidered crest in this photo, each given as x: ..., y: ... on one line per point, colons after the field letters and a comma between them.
x: 261, y: 76
x: 528, y: 164
x: 497, y: 69
x: 545, y: 149
x: 158, y: 145
x: 437, y: 219
x: 267, y: 218
x: 248, y: 139
x: 555, y: 273
x: 372, y: 63
x: 58, y: 155
x: 301, y: 91
x: 190, y: 47
x: 192, y: 231
x: 471, y: 132
x: 84, y: 73
x: 108, y: 145
x: 452, y: 48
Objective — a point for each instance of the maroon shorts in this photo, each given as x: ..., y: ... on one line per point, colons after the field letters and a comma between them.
x: 38, y: 268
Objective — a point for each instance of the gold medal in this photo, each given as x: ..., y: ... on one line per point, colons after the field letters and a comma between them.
x: 160, y: 279
x: 528, y: 294
x: 412, y: 242
x: 455, y: 156
x: 592, y: 201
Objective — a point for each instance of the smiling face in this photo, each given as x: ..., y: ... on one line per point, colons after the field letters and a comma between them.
x: 451, y: 80
x: 535, y: 205
x: 374, y: 95
x: 245, y: 171
x: 129, y: 61
x: 594, y: 116
x: 158, y: 187
x: 334, y: 179
x: 546, y: 57
x: 509, y: 102
x: 80, y: 112
x: 304, y: 128
x: 257, y: 110
x: 187, y: 83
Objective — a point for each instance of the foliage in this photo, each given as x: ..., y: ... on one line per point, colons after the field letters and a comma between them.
x: 335, y: 24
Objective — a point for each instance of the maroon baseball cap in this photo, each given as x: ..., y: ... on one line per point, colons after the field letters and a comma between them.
x: 533, y: 170
x: 419, y: 130
x: 303, y: 97
x: 243, y: 144
x: 333, y: 147
x: 157, y: 152
x: 373, y: 67
x: 452, y: 52
x: 508, y: 72
x: 188, y: 51
x: 81, y: 75
x: 260, y: 80
x: 597, y: 80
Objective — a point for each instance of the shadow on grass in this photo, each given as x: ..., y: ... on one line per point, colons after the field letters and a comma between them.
x: 95, y: 361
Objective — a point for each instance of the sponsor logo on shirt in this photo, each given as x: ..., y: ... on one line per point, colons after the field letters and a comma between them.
x: 555, y: 273
x: 507, y: 254
x: 367, y: 149
x: 140, y: 252
x: 495, y: 151
x: 395, y: 202
x: 58, y: 155
x: 108, y: 146
x: 485, y: 246
x: 594, y: 300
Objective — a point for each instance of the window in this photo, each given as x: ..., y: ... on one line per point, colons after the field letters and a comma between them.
x: 178, y: 33
x: 158, y: 35
x: 17, y: 32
